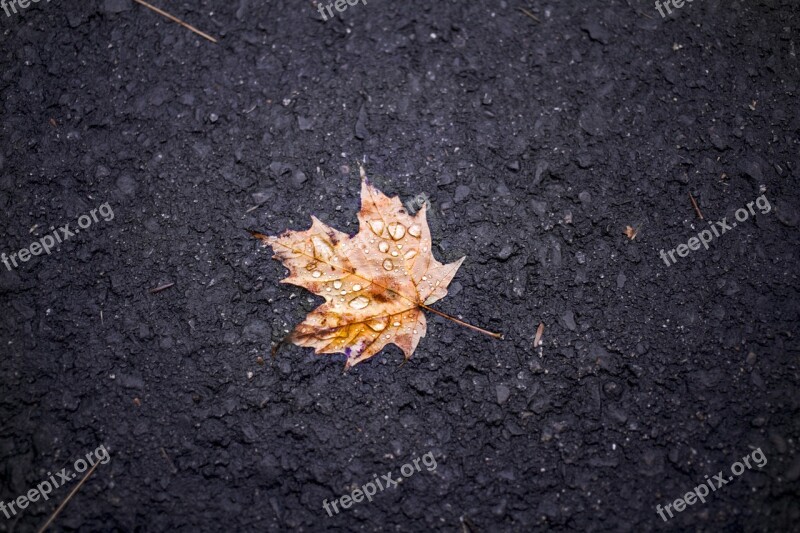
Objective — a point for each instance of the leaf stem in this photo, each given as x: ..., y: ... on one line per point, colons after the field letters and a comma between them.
x: 457, y: 321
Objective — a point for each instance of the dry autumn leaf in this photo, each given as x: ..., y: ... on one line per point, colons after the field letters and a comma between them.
x: 375, y: 284
x: 631, y: 232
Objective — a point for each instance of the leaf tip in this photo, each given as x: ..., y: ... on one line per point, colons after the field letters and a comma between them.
x: 258, y: 235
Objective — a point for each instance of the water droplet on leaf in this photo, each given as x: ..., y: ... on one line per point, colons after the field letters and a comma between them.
x: 359, y: 302
x: 376, y: 226
x: 397, y: 230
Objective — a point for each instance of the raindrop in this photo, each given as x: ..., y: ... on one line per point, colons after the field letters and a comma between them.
x: 338, y: 284
x: 388, y: 265
x: 316, y: 273
x: 397, y: 230
x: 376, y: 226
x: 383, y: 246
x: 394, y: 253
x: 396, y: 324
x: 356, y: 287
x: 378, y: 324
x: 410, y: 254
x: 322, y: 248
x: 343, y: 292
x: 415, y: 231
x: 359, y: 302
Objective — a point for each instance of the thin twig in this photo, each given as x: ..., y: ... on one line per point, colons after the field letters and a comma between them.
x: 68, y: 498
x: 169, y: 461
x: 466, y: 525
x: 639, y: 12
x: 531, y: 15
x: 695, y: 206
x: 161, y: 288
x: 538, y: 340
x: 176, y: 19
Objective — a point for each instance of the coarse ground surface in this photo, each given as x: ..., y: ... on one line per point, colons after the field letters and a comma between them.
x: 537, y: 143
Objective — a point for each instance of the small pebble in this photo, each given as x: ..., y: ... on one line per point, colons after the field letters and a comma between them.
x: 569, y: 320
x: 503, y: 393
x: 505, y: 252
x: 462, y: 191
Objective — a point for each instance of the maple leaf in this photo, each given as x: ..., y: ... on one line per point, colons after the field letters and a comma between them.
x: 375, y: 284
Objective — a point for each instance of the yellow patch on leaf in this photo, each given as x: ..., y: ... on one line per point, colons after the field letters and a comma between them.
x: 375, y: 283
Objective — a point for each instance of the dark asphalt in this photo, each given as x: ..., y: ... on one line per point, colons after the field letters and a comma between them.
x: 536, y: 143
